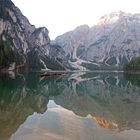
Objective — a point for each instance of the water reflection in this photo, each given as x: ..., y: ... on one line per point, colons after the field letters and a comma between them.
x: 84, y: 105
x: 108, y: 96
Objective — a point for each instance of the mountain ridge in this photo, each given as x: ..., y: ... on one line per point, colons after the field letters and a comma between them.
x: 113, y: 42
x: 110, y: 44
x: 22, y: 45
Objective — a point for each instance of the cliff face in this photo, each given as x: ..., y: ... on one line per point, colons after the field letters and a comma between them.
x: 113, y: 42
x: 21, y: 44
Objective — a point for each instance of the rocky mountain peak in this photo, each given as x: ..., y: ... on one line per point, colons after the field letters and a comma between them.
x: 40, y: 37
x: 84, y: 28
x: 113, y: 42
x: 113, y: 17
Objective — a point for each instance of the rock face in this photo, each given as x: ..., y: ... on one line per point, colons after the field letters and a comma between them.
x: 23, y: 45
x: 113, y: 42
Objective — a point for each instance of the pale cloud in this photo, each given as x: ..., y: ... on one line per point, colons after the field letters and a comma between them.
x: 60, y: 16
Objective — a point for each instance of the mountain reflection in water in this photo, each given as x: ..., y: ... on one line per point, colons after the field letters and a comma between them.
x: 75, y: 106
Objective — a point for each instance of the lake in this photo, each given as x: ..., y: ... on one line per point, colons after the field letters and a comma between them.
x: 73, y: 106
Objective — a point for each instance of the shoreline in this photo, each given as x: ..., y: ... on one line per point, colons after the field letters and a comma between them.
x: 131, y: 72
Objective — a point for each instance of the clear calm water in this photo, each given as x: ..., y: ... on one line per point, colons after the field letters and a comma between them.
x: 75, y: 106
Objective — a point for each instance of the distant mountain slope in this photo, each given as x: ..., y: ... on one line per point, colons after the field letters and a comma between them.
x: 110, y: 44
x: 23, y: 45
x: 113, y: 42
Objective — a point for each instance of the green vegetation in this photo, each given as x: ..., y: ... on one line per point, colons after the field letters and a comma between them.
x: 133, y: 65
x: 112, y: 61
x: 34, y: 58
x: 90, y: 66
x: 53, y: 64
x: 3, y: 5
x: 6, y: 53
x: 1, y: 11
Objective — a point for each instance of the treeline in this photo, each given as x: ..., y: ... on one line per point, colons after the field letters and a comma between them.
x: 6, y: 53
x: 133, y: 65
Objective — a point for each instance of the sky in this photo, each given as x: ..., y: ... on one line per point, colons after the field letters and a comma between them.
x: 60, y: 16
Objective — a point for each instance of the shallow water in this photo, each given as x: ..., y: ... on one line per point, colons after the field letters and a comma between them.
x: 74, y: 106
